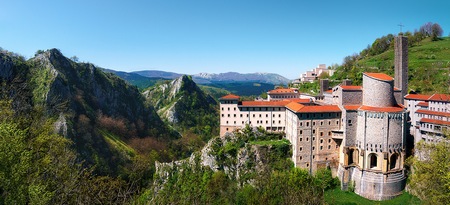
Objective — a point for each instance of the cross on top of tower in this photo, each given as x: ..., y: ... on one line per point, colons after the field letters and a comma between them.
x: 401, y: 26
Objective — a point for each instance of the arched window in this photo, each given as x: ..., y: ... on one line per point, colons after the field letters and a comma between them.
x: 394, y: 161
x: 373, y: 161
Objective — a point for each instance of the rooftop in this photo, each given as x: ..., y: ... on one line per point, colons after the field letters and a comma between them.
x: 352, y: 107
x: 440, y: 97
x: 430, y: 112
x: 283, y: 91
x: 432, y: 121
x: 417, y: 97
x: 298, y: 108
x: 229, y: 97
x: 379, y: 76
x: 423, y: 104
x: 264, y: 103
x: 351, y: 87
x: 397, y: 108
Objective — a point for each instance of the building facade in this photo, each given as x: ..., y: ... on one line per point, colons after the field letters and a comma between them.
x: 357, y: 131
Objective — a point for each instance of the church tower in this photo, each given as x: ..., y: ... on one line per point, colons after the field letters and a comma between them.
x: 401, y: 65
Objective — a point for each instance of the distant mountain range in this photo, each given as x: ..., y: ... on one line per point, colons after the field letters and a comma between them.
x: 208, y: 78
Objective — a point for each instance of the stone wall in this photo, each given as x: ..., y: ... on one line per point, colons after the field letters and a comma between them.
x: 378, y: 93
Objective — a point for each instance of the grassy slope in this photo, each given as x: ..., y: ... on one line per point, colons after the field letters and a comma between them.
x: 429, y: 64
x: 337, y: 196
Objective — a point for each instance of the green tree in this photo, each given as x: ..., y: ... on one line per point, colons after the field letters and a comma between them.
x: 430, y: 178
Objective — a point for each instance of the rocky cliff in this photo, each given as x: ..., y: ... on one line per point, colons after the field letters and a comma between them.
x: 86, y: 104
x: 183, y: 104
x: 241, y: 156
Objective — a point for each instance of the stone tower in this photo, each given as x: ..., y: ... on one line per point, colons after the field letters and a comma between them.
x: 401, y: 65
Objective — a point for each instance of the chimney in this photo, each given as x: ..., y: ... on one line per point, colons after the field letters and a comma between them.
x: 323, y: 86
x: 401, y: 65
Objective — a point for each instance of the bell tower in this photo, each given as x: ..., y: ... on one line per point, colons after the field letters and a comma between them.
x: 401, y: 65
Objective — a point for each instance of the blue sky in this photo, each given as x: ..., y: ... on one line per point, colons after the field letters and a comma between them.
x: 214, y: 36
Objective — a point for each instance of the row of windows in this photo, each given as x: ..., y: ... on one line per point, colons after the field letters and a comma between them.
x: 320, y: 147
x: 257, y: 122
x: 300, y: 132
x: 228, y: 102
x: 321, y: 115
x: 314, y: 123
x: 254, y: 115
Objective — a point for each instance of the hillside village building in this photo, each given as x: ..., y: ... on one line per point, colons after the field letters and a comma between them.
x: 310, y: 76
x: 358, y: 131
x: 429, y: 114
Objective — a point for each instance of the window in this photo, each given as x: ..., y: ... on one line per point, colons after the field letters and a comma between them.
x: 267, y: 115
x: 234, y: 109
x: 259, y: 115
x: 227, y: 122
x: 349, y: 122
x: 307, y: 139
x: 394, y: 162
x: 279, y: 115
x: 273, y: 115
x: 314, y: 123
x: 222, y: 108
x: 321, y: 133
x: 329, y: 146
x: 234, y: 122
x: 329, y: 133
x: 314, y: 131
x: 329, y: 140
x: 222, y: 115
x: 321, y: 140
x: 373, y: 161
x: 321, y: 123
x: 307, y: 124
x: 253, y: 115
x: 301, y: 124
x: 228, y: 115
x: 228, y: 109
x: 279, y: 121
x: 321, y: 147
x: 234, y: 115
x: 301, y: 139
x: 314, y: 147
x: 300, y: 149
x: 301, y: 131
x: 241, y: 115
x: 329, y: 122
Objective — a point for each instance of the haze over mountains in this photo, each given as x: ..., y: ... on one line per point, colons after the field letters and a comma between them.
x: 206, y: 78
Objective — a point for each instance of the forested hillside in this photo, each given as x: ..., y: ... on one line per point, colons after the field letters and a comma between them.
x: 71, y: 133
x: 429, y: 61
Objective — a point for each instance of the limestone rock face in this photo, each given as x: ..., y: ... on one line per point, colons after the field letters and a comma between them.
x: 181, y: 102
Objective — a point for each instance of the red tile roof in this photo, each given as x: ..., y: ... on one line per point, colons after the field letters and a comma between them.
x: 382, y: 109
x: 294, y: 106
x: 432, y: 121
x: 263, y: 103
x: 283, y: 91
x: 379, y: 76
x: 329, y: 91
x: 298, y: 108
x: 430, y: 112
x: 352, y: 107
x: 423, y: 104
x: 417, y: 97
x: 299, y: 100
x: 440, y: 97
x: 351, y: 87
x: 229, y: 96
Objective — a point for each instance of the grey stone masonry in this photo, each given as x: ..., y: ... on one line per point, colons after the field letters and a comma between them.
x: 401, y: 65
